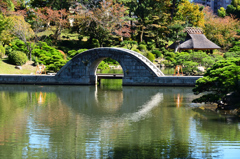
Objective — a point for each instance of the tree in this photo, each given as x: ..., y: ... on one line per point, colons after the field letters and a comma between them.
x: 140, y: 12
x: 174, y: 7
x: 55, y: 4
x: 171, y: 17
x: 5, y: 34
x: 222, y: 12
x: 218, y: 81
x: 222, y: 31
x: 190, y: 13
x: 21, y: 29
x: 159, y: 20
x: 6, y: 5
x: 56, y: 17
x: 100, y: 22
x: 234, y: 8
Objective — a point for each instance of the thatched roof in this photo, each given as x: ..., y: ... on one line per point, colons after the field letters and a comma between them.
x: 195, y: 40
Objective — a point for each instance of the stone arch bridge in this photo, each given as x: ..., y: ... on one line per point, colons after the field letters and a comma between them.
x: 136, y: 67
x: 81, y: 70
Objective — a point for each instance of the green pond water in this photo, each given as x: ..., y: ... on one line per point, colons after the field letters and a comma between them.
x: 111, y: 121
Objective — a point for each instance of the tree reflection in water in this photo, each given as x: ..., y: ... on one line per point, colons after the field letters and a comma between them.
x: 103, y: 122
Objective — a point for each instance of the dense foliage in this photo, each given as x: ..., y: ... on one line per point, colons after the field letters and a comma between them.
x: 17, y: 58
x: 44, y: 30
x: 2, y: 51
x: 48, y: 56
x: 222, y: 31
x: 221, y: 79
x: 234, y: 8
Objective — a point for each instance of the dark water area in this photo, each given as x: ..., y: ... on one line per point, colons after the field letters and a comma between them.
x: 111, y: 121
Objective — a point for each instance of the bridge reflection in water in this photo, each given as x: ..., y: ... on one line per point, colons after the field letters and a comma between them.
x: 89, y: 121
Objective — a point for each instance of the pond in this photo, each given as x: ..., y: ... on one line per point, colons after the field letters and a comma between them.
x: 111, y: 121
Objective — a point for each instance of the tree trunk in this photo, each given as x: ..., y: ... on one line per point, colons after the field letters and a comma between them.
x: 141, y: 34
x: 30, y: 51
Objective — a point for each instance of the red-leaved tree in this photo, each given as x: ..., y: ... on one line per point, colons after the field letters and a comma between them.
x: 101, y: 21
x: 222, y: 31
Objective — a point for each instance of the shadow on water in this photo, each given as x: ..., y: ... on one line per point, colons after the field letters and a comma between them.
x: 214, y: 116
x: 157, y: 150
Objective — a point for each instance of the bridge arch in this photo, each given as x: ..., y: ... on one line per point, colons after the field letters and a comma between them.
x: 82, y: 68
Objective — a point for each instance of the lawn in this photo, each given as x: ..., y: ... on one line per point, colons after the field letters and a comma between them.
x: 6, y: 68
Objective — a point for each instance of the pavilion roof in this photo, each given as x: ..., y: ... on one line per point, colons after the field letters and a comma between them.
x: 195, y: 40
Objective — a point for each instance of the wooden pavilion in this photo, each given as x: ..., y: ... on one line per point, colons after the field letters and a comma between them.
x: 195, y: 40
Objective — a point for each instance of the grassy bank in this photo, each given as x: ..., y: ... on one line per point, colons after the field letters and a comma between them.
x: 6, y: 68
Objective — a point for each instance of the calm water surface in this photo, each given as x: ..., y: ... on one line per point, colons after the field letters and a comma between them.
x: 110, y: 121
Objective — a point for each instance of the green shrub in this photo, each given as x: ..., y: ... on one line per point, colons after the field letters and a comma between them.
x: 150, y: 56
x: 190, y: 67
x: 2, y: 51
x: 150, y: 45
x: 19, y: 45
x: 167, y: 63
x: 129, y: 44
x: 73, y: 53
x: 136, y: 50
x: 17, y: 58
x: 232, y: 55
x: 142, y: 43
x: 142, y: 47
x: 208, y: 62
x: 81, y: 50
x: 103, y: 65
x: 49, y: 40
x: 107, y: 43
x: 144, y: 53
x: 163, y: 50
x: 49, y: 56
x: 8, y: 49
x: 95, y: 43
x: 110, y: 61
x: 157, y: 53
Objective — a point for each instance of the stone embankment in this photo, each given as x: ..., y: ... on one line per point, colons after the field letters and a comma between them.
x: 56, y: 80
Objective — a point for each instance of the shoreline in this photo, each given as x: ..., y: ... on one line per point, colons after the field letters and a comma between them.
x: 212, y: 108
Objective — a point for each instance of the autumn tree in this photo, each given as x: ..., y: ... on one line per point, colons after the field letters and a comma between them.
x: 38, y: 20
x: 222, y: 31
x: 56, y: 18
x: 6, y: 5
x: 99, y: 22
